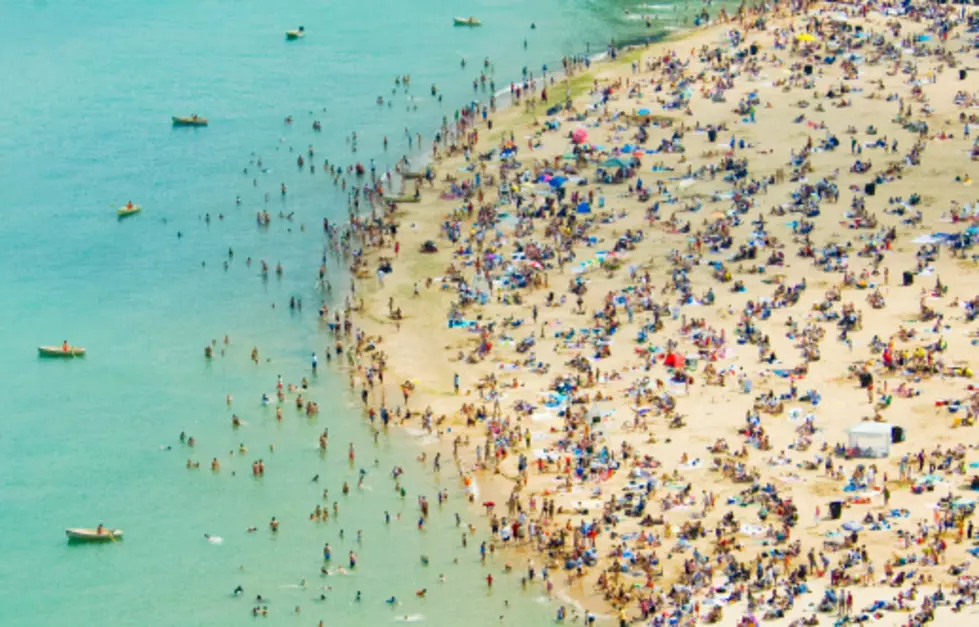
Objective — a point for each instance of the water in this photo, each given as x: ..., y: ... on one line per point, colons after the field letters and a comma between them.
x: 89, y: 89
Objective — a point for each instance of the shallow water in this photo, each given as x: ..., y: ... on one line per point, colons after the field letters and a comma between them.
x: 89, y: 89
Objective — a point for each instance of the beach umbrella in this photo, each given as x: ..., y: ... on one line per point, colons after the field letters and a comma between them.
x: 557, y: 181
x: 805, y: 37
x: 584, y: 208
x: 615, y: 163
x: 644, y: 112
x: 579, y: 135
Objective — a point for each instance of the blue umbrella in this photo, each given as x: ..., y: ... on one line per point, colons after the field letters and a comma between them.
x: 615, y: 163
x: 584, y: 208
x: 558, y: 181
x: 644, y: 112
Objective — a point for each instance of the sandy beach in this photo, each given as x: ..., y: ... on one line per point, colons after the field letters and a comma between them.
x: 696, y: 325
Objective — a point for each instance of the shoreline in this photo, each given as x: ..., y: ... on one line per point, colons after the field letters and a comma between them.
x: 427, y: 390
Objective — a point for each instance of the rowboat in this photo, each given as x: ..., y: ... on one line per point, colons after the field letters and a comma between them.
x: 59, y: 351
x: 129, y: 210
x: 93, y: 535
x: 295, y: 34
x: 466, y: 21
x: 402, y: 198
x: 189, y: 121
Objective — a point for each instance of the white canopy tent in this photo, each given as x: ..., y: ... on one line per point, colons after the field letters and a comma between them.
x: 871, y: 439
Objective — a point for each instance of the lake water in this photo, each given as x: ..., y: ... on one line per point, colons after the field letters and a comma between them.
x: 88, y: 91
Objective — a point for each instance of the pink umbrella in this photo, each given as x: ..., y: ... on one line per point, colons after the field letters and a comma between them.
x: 579, y: 135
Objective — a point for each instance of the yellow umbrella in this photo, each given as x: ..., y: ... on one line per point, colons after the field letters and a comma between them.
x: 805, y: 37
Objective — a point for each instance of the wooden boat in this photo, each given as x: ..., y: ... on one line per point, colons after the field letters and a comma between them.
x: 466, y: 21
x: 295, y: 34
x: 129, y: 210
x: 93, y: 535
x: 402, y: 198
x: 193, y: 120
x: 59, y: 351
x: 413, y: 175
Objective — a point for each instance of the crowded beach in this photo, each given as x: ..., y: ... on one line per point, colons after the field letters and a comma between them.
x: 696, y: 325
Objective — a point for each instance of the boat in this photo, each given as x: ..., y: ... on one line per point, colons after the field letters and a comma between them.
x: 129, y: 210
x: 466, y: 21
x: 295, y: 34
x: 60, y: 351
x: 193, y: 120
x: 402, y: 199
x: 93, y: 535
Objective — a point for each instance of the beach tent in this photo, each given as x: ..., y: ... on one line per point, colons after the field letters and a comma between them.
x: 871, y: 439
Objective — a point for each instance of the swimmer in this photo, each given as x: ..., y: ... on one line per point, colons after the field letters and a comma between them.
x: 238, y: 591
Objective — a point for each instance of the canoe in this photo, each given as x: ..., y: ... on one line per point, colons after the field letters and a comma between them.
x: 189, y: 121
x: 92, y: 535
x: 128, y: 211
x: 57, y: 351
x: 412, y: 175
x: 402, y: 198
x: 466, y: 21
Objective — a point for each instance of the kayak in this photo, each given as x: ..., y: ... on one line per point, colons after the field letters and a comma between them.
x: 402, y: 198
x: 466, y: 21
x: 93, y: 535
x: 128, y: 211
x: 189, y: 121
x: 58, y: 351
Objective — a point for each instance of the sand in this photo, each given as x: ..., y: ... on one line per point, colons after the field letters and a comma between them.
x: 795, y: 113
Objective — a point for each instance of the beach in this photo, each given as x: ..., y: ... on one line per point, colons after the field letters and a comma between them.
x: 692, y: 399
x: 684, y: 334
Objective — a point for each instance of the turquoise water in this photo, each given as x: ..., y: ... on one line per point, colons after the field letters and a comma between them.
x: 88, y: 91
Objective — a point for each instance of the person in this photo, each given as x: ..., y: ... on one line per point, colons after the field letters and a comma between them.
x: 238, y: 591
x: 65, y: 347
x: 129, y: 205
x: 100, y: 530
